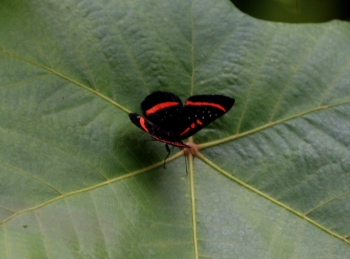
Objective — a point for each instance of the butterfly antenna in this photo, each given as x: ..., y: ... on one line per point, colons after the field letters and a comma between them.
x: 167, y: 149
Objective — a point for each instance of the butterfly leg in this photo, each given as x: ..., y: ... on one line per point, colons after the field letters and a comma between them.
x: 186, y: 165
x: 167, y: 149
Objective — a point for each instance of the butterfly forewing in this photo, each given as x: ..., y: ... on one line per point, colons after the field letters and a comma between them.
x: 200, y: 110
x: 163, y: 109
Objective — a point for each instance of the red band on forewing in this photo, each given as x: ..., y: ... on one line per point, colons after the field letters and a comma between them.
x: 206, y: 104
x: 160, y: 106
x: 199, y: 122
x: 186, y: 130
x: 193, y: 125
x: 143, y: 124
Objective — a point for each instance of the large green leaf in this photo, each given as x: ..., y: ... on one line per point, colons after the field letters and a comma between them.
x: 77, y: 180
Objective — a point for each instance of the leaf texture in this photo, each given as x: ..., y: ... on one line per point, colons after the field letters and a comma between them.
x: 77, y: 179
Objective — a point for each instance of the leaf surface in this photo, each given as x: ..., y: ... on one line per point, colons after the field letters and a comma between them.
x: 77, y: 179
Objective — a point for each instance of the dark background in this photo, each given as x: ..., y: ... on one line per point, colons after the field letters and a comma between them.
x: 296, y: 11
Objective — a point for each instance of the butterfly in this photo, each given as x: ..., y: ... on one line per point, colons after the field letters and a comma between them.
x: 172, y: 122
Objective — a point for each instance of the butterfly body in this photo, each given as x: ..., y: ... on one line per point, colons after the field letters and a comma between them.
x: 173, y: 122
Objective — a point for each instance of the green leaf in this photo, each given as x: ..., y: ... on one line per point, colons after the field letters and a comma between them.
x: 77, y: 179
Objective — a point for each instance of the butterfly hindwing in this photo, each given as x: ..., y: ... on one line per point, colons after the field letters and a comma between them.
x: 157, y: 132
x: 163, y: 109
x: 200, y: 110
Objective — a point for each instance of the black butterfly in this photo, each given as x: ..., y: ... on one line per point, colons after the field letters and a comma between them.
x: 173, y: 122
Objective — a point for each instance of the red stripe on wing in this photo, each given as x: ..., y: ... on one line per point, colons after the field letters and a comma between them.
x: 174, y: 143
x: 206, y: 104
x: 143, y: 124
x: 185, y: 131
x: 161, y: 106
